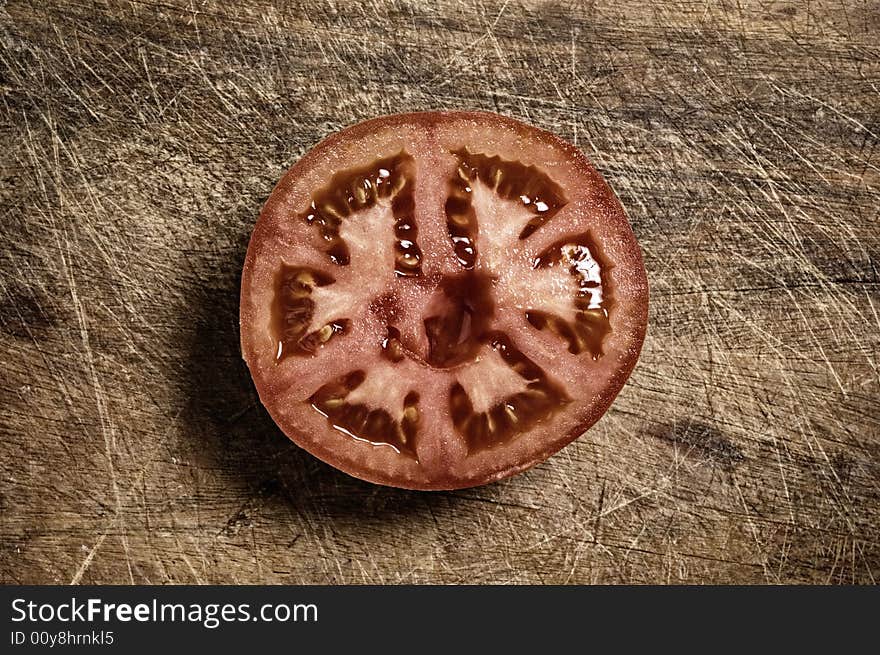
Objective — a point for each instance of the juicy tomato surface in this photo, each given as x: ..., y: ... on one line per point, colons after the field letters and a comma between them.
x: 442, y: 299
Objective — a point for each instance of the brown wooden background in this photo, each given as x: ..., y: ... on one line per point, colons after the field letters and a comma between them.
x: 140, y: 139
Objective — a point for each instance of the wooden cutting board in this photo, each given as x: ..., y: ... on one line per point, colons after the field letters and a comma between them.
x: 140, y: 140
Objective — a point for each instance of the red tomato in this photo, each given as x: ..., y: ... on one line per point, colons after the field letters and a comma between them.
x: 440, y: 300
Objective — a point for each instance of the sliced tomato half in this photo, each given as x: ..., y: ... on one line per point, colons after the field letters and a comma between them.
x: 440, y: 300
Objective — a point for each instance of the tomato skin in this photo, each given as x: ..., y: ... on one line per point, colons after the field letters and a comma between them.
x: 443, y: 460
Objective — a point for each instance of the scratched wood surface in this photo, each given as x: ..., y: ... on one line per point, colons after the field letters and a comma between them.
x: 140, y: 140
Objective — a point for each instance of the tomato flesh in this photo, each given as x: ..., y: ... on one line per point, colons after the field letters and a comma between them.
x: 442, y: 299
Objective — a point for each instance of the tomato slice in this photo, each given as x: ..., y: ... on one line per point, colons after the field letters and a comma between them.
x: 440, y: 300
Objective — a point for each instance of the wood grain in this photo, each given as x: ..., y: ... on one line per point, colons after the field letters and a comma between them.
x: 140, y: 139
